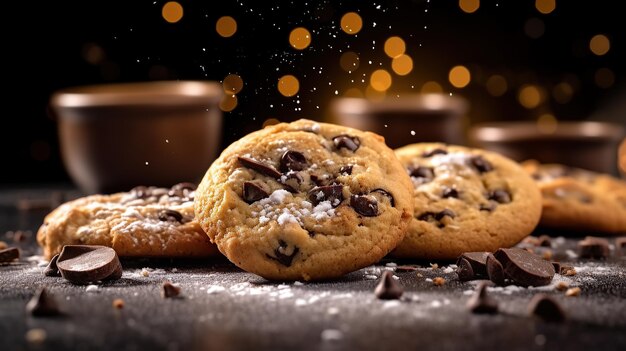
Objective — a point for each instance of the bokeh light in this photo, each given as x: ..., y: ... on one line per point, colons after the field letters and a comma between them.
x: 300, y: 38
x: 545, y: 6
x: 431, y: 87
x: 459, y: 76
x: 93, y: 53
x: 226, y: 26
x: 469, y: 6
x: 547, y: 123
x: 562, y: 92
x: 529, y: 96
x: 288, y: 85
x: 172, y: 11
x: 353, y: 92
x: 351, y: 23
x: 374, y: 95
x: 228, y: 103
x: 394, y: 47
x: 534, y: 28
x: 604, y: 78
x: 349, y: 61
x: 496, y: 85
x: 600, y: 44
x: 402, y: 65
x: 380, y: 80
x: 232, y: 84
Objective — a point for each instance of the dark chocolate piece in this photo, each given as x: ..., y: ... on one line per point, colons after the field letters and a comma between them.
x: 82, y: 264
x: 51, y: 269
x: 254, y: 191
x: 292, y: 161
x: 525, y: 268
x: 593, y: 247
x: 259, y: 167
x: 291, y: 181
x: 170, y: 216
x: 388, y: 288
x: 490, y: 207
x: 500, y: 196
x: 421, y: 172
x: 480, y: 164
x: 433, y: 152
x: 436, y: 216
x: 477, y: 260
x: 281, y: 257
x: 481, y: 302
x: 9, y: 254
x: 546, y: 308
x: 450, y: 192
x: 464, y: 269
x: 351, y: 143
x: 42, y: 304
x: 495, y: 272
x: 364, y: 205
x: 544, y: 241
x: 387, y: 194
x: 557, y: 267
x: 169, y: 290
x: 332, y: 193
x: 346, y: 170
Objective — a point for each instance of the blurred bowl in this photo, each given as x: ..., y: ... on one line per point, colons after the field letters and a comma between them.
x: 406, y: 119
x: 589, y: 145
x: 117, y: 136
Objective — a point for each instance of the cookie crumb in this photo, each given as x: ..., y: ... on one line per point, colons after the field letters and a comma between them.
x: 169, y: 290
x: 144, y: 272
x: 547, y: 255
x: 561, y: 286
x: 434, y: 266
x: 439, y: 281
x: 569, y: 272
x: 118, y: 304
x: 419, y: 275
x: 572, y: 292
x: 36, y: 336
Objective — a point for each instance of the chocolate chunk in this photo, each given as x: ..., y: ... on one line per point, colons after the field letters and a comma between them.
x: 490, y: 207
x: 82, y: 264
x: 436, y: 216
x: 481, y: 302
x: 386, y: 194
x: 525, y: 268
x: 388, y: 288
x: 281, y: 257
x: 259, y: 167
x: 291, y: 181
x: 480, y: 164
x: 141, y: 192
x: 495, y: 272
x: 464, y: 269
x: 42, y: 304
x: 364, y: 205
x: 593, y: 247
x: 434, y: 152
x: 51, y: 269
x: 500, y: 196
x: 10, y: 254
x: 170, y: 216
x: 424, y: 173
x: 292, y: 161
x: 450, y: 192
x: 332, y: 193
x: 557, y: 267
x: 254, y: 191
x: 169, y: 290
x: 345, y: 170
x: 546, y: 308
x: 544, y: 241
x: 351, y: 143
x: 477, y: 260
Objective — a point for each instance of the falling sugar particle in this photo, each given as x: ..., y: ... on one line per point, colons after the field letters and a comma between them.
x: 412, y: 132
x: 167, y: 141
x: 385, y: 126
x: 336, y: 92
x: 146, y: 163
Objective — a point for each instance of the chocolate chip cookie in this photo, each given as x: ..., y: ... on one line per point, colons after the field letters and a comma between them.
x: 145, y: 222
x: 465, y: 200
x: 580, y: 200
x: 305, y: 200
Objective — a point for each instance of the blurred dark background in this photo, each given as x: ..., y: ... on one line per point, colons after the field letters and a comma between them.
x: 528, y: 60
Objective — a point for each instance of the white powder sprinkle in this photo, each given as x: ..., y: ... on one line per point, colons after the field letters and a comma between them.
x: 448, y: 270
x: 331, y: 334
x: 297, y: 283
x: 91, y: 288
x: 370, y: 277
x: 332, y: 310
x: 215, y: 289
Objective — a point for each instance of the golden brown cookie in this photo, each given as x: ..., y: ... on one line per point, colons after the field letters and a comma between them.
x: 305, y: 200
x: 145, y: 222
x: 580, y: 200
x: 465, y: 200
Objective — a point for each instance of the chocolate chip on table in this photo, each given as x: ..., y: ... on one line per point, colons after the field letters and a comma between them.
x: 557, y: 266
x: 425, y: 174
x: 10, y: 254
x: 332, y: 193
x: 343, y: 141
x: 464, y: 270
x: 170, y: 216
x: 525, y: 268
x: 500, y: 196
x: 386, y: 194
x: 82, y: 264
x: 480, y: 164
x: 546, y: 308
x: 292, y: 161
x: 51, y: 269
x: 433, y: 152
x: 477, y: 260
x: 281, y: 257
x: 169, y: 290
x: 481, y: 302
x: 365, y: 205
x: 495, y: 271
x: 346, y: 170
x: 388, y: 288
x: 254, y: 191
x: 42, y: 304
x: 593, y: 247
x: 259, y: 167
x: 450, y: 192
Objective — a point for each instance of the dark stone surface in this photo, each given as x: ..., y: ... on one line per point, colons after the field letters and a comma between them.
x: 251, y: 313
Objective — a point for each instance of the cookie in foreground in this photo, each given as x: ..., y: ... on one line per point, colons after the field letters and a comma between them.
x: 305, y: 200
x: 465, y: 200
x: 145, y: 222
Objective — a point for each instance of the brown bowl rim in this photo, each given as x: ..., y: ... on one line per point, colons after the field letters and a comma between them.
x: 525, y: 130
x: 430, y: 102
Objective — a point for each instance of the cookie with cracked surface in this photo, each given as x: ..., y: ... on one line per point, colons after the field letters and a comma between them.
x: 465, y: 200
x: 145, y: 222
x: 305, y: 200
x: 580, y: 200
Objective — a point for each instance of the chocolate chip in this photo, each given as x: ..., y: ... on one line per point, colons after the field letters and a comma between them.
x: 500, y: 196
x: 141, y: 192
x: 259, y: 167
x: 525, y: 268
x: 291, y: 181
x: 345, y: 170
x: 10, y: 254
x: 495, y: 272
x: 464, y: 270
x: 544, y: 241
x: 42, y: 304
x: 51, y: 269
x: 321, y: 180
x: 170, y: 216
x: 82, y: 264
x: 281, y: 257
x: 546, y: 308
x: 592, y: 247
x: 169, y: 290
x: 434, y: 152
x: 182, y: 189
x: 477, y: 260
x: 292, y: 161
x: 480, y: 164
x: 254, y: 191
x: 450, y: 192
x: 386, y: 194
x: 490, y: 207
x: 424, y: 173
x: 388, y: 288
x: 365, y: 205
x: 436, y: 216
x: 444, y: 213
x: 332, y: 193
x: 480, y: 302
x: 557, y: 267
x: 351, y: 143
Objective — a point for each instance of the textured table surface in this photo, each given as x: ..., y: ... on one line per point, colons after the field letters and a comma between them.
x: 224, y: 308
